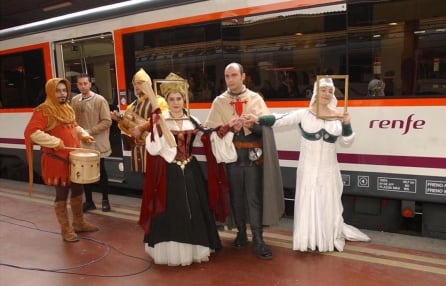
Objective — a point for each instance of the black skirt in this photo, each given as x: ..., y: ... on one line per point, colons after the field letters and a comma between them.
x: 187, y: 217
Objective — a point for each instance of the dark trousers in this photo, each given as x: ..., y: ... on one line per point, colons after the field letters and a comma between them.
x: 245, y: 189
x: 102, y: 185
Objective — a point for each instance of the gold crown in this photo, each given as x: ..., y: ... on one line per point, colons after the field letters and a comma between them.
x: 141, y: 75
x: 177, y: 84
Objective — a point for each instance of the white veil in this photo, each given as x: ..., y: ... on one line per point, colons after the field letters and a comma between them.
x: 326, y: 81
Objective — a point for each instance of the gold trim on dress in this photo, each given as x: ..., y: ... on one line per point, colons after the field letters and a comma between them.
x: 183, y: 163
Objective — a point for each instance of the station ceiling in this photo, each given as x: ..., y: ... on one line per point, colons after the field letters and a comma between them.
x: 19, y: 12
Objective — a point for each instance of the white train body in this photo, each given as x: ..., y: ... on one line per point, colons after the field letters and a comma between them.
x: 399, y: 151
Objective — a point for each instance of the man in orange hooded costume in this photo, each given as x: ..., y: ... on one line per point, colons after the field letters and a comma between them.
x: 53, y: 126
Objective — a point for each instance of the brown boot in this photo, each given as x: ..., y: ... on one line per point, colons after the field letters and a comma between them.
x: 68, y: 234
x: 79, y: 224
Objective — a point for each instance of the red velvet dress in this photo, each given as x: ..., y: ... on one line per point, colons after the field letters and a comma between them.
x: 178, y: 223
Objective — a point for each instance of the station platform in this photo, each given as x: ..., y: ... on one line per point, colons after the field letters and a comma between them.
x: 32, y: 252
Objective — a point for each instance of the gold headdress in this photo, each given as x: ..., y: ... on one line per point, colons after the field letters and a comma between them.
x: 174, y: 83
x: 141, y: 75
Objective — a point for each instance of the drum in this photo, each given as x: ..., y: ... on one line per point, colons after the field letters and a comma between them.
x: 84, y: 166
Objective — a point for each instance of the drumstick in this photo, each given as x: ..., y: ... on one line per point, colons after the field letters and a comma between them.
x: 72, y: 148
x: 81, y: 149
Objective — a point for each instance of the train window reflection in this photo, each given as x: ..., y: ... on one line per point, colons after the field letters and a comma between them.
x: 22, y: 79
x: 384, y: 55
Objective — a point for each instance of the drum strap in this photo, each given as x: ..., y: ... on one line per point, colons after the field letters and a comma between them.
x: 55, y: 156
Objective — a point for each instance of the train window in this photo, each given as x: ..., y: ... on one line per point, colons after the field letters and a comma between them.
x: 430, y: 62
x: 384, y: 52
x: 22, y: 79
x: 92, y: 55
x: 192, y: 52
x: 397, y: 54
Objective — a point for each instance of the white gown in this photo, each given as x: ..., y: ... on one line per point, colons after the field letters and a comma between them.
x: 318, y: 222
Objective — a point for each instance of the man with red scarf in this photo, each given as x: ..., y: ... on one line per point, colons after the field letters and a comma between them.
x: 254, y: 175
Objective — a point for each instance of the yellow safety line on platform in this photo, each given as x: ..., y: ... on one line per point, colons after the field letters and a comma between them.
x: 366, y: 258
x: 270, y: 239
x: 380, y: 252
x: 388, y: 262
x: 116, y: 213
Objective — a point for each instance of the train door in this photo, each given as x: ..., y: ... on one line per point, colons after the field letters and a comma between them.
x: 94, y: 56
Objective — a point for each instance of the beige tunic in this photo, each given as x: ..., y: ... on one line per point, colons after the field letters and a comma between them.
x: 222, y: 111
x: 93, y: 114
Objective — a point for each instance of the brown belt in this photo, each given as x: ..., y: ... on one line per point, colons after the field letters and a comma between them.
x: 246, y: 145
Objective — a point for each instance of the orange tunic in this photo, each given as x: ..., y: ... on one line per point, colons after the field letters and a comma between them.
x: 55, y: 165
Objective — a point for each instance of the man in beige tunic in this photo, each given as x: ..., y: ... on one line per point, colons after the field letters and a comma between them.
x: 93, y: 114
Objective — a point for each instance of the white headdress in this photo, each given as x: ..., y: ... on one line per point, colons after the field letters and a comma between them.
x: 325, y: 81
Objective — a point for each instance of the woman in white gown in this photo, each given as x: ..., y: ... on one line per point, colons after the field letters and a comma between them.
x: 318, y: 222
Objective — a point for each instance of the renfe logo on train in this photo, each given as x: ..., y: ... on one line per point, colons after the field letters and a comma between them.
x: 405, y: 125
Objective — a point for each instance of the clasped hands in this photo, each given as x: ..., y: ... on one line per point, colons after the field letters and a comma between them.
x: 246, y: 120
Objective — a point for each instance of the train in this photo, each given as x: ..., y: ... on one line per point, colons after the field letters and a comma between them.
x: 394, y: 172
